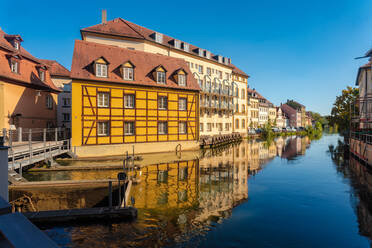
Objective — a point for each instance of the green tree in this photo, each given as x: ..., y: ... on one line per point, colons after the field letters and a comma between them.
x: 340, y: 114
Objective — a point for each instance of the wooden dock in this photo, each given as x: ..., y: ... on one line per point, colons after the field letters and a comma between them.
x: 219, y: 140
x: 82, y: 215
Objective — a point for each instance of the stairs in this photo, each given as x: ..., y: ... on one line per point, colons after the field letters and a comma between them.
x: 14, y: 177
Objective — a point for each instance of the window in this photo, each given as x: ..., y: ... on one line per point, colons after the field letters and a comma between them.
x: 209, y: 71
x: 243, y: 108
x: 201, y: 127
x: 200, y: 69
x: 182, y: 127
x: 237, y: 123
x: 181, y: 80
x: 103, y: 128
x: 129, y: 128
x: 182, y: 104
x: 103, y: 99
x: 49, y: 102
x: 128, y: 73
x: 16, y: 44
x: 219, y: 127
x: 227, y: 126
x: 101, y: 70
x: 162, y: 102
x: 162, y: 127
x: 237, y: 107
x: 192, y: 65
x: 159, y: 37
x: 209, y: 127
x: 243, y: 123
x: 177, y: 44
x: 14, y: 66
x: 160, y: 77
x: 42, y: 75
x: 243, y: 94
x: 129, y: 101
x: 186, y: 47
x: 66, y: 117
x: 66, y: 102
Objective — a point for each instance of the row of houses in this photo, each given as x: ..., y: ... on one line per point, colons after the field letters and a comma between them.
x: 132, y: 85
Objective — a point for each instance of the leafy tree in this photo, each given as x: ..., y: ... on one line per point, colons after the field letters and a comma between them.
x: 318, y: 117
x: 340, y: 114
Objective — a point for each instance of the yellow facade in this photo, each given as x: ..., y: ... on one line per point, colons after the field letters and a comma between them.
x: 145, y: 114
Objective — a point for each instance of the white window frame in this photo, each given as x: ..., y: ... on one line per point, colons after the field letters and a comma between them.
x: 16, y: 45
x: 128, y: 73
x: 129, y: 101
x: 158, y: 37
x: 181, y: 79
x: 182, y: 127
x: 14, y: 66
x: 182, y: 104
x: 160, y: 77
x: 129, y: 128
x: 162, y: 103
x: 102, y: 97
x: 200, y: 69
x: 42, y: 75
x: 103, y: 128
x: 101, y: 70
x: 162, y: 127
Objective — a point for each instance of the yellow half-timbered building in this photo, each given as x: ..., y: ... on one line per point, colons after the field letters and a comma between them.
x: 122, y: 98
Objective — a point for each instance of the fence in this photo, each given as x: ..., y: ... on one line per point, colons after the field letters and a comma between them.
x: 364, y: 137
x: 20, y: 135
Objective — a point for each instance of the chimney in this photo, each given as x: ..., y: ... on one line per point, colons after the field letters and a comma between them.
x: 104, y: 17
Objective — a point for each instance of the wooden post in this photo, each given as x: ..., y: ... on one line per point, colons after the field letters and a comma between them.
x: 30, y: 145
x: 56, y: 134
x: 19, y: 134
x: 10, y: 138
x: 119, y: 193
x: 44, y: 141
x: 110, y: 194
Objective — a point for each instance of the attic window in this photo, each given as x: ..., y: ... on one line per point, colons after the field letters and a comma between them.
x: 101, y: 70
x: 185, y: 47
x: 42, y: 75
x: 16, y: 44
x: 177, y: 44
x: 128, y: 71
x: 14, y: 66
x: 181, y: 79
x: 200, y: 52
x: 158, y: 37
x: 160, y: 77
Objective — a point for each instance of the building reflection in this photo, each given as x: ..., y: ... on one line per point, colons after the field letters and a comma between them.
x: 361, y: 181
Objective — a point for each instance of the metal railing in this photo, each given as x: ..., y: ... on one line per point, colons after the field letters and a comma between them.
x: 362, y: 136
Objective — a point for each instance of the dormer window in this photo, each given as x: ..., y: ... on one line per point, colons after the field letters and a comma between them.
x: 128, y: 71
x: 158, y: 37
x: 14, y: 66
x: 185, y: 47
x: 200, y: 52
x: 177, y: 44
x: 181, y: 79
x: 16, y: 44
x: 160, y: 77
x: 101, y: 70
x: 42, y: 75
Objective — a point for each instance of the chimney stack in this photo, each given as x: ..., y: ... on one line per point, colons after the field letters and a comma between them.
x: 104, y: 17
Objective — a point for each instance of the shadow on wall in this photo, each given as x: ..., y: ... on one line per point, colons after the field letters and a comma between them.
x: 32, y: 110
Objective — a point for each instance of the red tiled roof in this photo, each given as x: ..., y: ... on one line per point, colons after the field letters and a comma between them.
x: 121, y: 27
x: 55, y: 68
x: 28, y: 71
x: 85, y: 53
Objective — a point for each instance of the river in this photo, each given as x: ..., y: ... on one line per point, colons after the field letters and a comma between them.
x: 292, y: 192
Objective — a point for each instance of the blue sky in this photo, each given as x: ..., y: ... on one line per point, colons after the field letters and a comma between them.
x: 292, y: 49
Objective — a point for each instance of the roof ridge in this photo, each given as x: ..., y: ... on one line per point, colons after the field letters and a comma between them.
x: 124, y: 21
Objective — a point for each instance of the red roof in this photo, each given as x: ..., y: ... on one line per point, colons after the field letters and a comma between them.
x: 55, y: 68
x: 28, y: 66
x: 121, y: 27
x: 236, y: 70
x: 85, y: 53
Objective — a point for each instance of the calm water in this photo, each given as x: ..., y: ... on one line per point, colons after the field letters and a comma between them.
x: 290, y: 193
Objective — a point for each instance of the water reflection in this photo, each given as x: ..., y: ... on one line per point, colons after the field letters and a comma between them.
x: 360, y: 176
x: 177, y: 201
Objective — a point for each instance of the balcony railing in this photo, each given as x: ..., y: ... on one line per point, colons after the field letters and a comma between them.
x: 364, y: 137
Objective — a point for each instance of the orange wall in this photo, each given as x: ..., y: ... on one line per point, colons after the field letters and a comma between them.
x: 17, y: 99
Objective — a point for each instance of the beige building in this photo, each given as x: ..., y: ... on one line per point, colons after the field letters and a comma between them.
x: 241, y: 113
x: 272, y: 115
x: 252, y: 108
x: 212, y: 71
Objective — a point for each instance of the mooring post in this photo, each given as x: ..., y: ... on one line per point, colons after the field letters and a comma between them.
x: 110, y: 194
x: 30, y: 144
x: 19, y: 134
x: 44, y: 141
x: 56, y: 134
x: 124, y: 189
x: 3, y: 170
x: 119, y: 192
